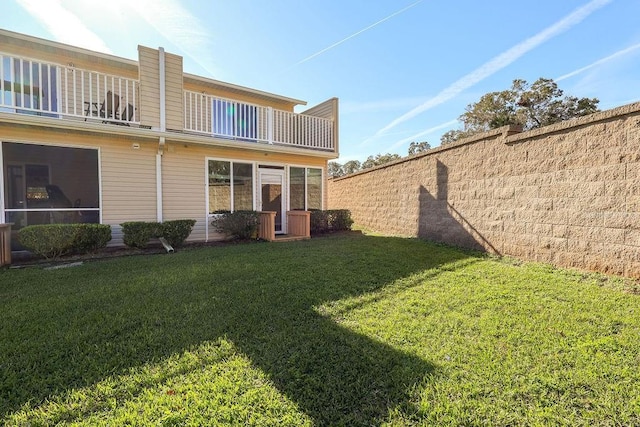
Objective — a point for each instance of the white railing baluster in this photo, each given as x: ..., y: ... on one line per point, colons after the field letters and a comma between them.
x: 66, y: 96
x: 135, y: 99
x: 48, y: 87
x: 41, y: 95
x: 12, y: 75
x: 20, y: 73
x: 184, y: 110
x: 2, y: 79
x: 119, y: 107
x: 82, y: 98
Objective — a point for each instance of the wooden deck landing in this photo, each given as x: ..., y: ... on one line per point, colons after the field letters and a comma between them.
x: 289, y: 238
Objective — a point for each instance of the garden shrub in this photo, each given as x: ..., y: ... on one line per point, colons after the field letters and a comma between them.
x: 55, y: 240
x: 176, y: 231
x: 330, y: 220
x: 137, y: 233
x: 319, y: 222
x: 340, y: 220
x: 238, y: 224
x: 91, y: 237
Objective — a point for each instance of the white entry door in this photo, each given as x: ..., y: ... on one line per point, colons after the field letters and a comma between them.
x: 272, y: 195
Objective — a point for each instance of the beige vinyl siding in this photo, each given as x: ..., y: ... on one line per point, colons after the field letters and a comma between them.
x: 326, y: 110
x: 128, y: 184
x: 149, y: 87
x: 183, y: 183
x: 174, y: 92
x: 68, y: 57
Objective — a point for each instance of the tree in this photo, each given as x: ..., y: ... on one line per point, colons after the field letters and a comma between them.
x: 379, y: 159
x: 454, y: 135
x: 418, y: 147
x: 334, y: 169
x: 530, y: 106
x: 351, y: 166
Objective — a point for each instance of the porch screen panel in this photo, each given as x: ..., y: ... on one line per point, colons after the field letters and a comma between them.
x: 314, y: 188
x: 50, y: 185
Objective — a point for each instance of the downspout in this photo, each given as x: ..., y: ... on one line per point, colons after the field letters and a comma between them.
x: 159, y: 179
x: 163, y: 128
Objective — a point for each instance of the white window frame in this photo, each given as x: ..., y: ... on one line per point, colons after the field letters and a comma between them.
x: 254, y: 171
x: 306, y: 191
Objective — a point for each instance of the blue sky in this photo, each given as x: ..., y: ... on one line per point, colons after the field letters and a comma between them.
x: 403, y: 70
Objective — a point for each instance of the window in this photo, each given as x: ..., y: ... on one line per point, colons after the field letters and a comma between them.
x: 28, y: 87
x: 314, y: 188
x: 230, y: 186
x: 235, y: 119
x: 305, y: 188
x: 297, y: 198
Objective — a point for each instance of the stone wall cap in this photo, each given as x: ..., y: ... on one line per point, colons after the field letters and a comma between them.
x: 503, y: 131
x: 591, y: 119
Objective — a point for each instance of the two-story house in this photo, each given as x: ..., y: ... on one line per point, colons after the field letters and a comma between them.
x: 90, y: 137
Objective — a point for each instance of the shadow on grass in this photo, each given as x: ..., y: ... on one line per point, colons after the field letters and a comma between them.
x: 71, y: 328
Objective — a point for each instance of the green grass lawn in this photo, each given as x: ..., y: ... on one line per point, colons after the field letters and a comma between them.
x: 341, y: 330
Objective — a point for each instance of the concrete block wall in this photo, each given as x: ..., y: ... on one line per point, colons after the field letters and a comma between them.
x: 567, y: 194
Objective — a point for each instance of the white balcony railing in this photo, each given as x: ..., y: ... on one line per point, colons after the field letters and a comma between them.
x: 51, y: 90
x: 227, y: 118
x: 101, y: 96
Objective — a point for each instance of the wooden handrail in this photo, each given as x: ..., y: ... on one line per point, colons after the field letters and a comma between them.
x: 267, y: 226
x: 299, y: 223
x: 5, y: 244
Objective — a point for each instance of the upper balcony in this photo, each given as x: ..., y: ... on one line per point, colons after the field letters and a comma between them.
x: 232, y: 119
x: 49, y: 89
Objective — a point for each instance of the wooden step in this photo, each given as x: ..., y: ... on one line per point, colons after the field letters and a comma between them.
x: 288, y: 238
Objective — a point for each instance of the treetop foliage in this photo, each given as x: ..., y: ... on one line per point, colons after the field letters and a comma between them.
x: 335, y: 169
x: 528, y: 105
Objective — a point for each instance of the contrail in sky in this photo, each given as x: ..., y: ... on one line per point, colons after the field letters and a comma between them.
x: 63, y: 24
x: 414, y: 138
x: 181, y: 27
x: 320, y: 52
x: 499, y: 62
x: 168, y: 17
x: 599, y: 62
